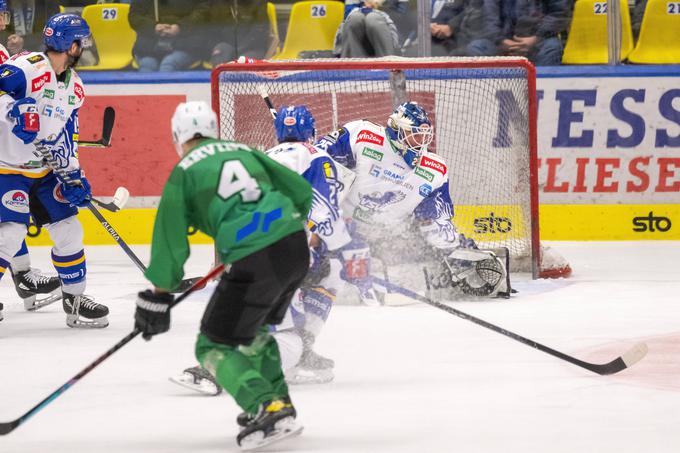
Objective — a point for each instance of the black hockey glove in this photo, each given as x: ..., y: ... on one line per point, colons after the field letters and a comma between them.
x: 153, y: 313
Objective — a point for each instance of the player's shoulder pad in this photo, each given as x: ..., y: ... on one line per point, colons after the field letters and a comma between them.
x: 78, y: 88
x: 4, y: 54
x: 434, y: 163
x: 36, y: 69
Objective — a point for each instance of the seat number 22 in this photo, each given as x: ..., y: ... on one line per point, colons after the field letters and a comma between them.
x: 235, y: 179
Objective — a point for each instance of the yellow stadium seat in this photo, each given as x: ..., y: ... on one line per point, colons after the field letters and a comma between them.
x: 112, y: 34
x: 587, y: 41
x: 312, y: 26
x: 659, y: 40
x: 274, y: 29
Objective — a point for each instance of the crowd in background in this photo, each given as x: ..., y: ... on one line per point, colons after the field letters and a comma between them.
x: 185, y: 34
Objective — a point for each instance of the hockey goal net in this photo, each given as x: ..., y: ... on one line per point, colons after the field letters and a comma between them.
x: 483, y: 112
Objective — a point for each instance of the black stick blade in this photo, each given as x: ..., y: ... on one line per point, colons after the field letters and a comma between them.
x: 6, y: 428
x: 627, y: 360
x: 107, y: 127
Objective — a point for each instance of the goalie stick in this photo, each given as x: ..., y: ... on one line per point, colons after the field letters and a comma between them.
x: 8, y: 427
x: 628, y: 359
x: 107, y: 129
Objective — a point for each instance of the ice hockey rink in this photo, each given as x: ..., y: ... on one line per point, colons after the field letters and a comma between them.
x: 408, y: 379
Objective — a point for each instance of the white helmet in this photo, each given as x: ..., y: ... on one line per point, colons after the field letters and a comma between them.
x: 191, y: 120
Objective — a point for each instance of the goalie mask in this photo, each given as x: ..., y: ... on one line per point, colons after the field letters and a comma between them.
x: 410, y: 131
x: 295, y: 123
x: 192, y: 120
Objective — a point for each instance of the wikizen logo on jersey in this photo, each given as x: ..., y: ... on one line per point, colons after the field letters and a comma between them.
x: 40, y: 81
x: 370, y: 137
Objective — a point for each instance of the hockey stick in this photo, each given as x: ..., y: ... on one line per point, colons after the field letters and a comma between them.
x: 119, y: 200
x: 8, y: 427
x: 628, y: 359
x: 95, y: 212
x: 107, y: 129
x: 265, y: 98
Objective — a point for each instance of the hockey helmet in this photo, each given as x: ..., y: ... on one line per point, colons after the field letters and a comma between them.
x: 194, y: 119
x: 410, y: 131
x: 62, y: 30
x: 294, y: 123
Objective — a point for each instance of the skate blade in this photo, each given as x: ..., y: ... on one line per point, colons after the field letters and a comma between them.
x: 301, y: 376
x: 33, y: 303
x: 205, y: 387
x: 82, y: 323
x: 284, y: 429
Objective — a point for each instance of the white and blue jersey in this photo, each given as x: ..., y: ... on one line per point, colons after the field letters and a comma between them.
x: 30, y: 74
x: 387, y: 192
x: 319, y: 170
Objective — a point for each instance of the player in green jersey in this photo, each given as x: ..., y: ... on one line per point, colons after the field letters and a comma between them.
x: 254, y: 209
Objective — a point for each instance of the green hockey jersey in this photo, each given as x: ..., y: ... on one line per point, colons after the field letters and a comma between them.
x: 237, y: 195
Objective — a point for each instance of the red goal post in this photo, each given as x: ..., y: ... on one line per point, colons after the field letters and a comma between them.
x: 483, y: 112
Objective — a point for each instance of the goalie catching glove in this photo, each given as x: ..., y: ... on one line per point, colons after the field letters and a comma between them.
x: 480, y: 273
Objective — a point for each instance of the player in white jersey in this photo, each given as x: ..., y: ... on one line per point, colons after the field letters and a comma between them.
x: 295, y: 131
x: 27, y: 281
x: 40, y: 94
x: 400, y: 205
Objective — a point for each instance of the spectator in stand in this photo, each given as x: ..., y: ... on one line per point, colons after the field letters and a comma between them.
x: 458, y: 29
x: 636, y: 17
x: 366, y: 31
x: 168, y: 37
x: 233, y: 32
x: 27, y: 19
x: 527, y: 28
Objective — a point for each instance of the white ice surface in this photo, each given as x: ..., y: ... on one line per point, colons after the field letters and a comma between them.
x: 408, y: 379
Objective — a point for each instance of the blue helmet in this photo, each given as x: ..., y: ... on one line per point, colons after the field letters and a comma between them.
x: 294, y: 123
x: 410, y: 131
x: 62, y: 30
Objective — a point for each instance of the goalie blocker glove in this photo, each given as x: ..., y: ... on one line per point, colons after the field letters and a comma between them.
x: 153, y: 313
x: 469, y: 272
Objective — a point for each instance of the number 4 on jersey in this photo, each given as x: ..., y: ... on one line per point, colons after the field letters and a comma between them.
x: 236, y: 179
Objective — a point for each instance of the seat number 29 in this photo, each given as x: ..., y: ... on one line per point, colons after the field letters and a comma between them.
x: 235, y: 179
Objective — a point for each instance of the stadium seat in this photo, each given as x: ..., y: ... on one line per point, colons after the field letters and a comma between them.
x: 112, y: 35
x: 273, y: 25
x: 659, y: 40
x: 587, y: 40
x: 312, y: 26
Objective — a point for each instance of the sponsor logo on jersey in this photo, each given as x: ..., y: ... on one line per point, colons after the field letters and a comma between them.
x: 492, y: 224
x: 424, y: 174
x: 433, y: 164
x: 59, y: 195
x: 392, y: 175
x: 328, y: 171
x: 651, y: 223
x: 72, y: 100
x: 40, y: 81
x: 78, y: 90
x: 6, y: 73
x: 16, y: 200
x: 370, y: 137
x: 372, y: 153
x: 374, y: 171
x: 49, y: 94
x: 35, y: 58
x: 425, y: 190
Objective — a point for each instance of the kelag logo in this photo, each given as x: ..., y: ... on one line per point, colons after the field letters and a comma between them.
x: 651, y: 223
x: 492, y: 224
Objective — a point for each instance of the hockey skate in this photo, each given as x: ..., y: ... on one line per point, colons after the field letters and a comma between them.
x: 84, y: 313
x: 198, y: 379
x: 32, y: 282
x: 274, y: 421
x: 244, y: 417
x: 312, y: 368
